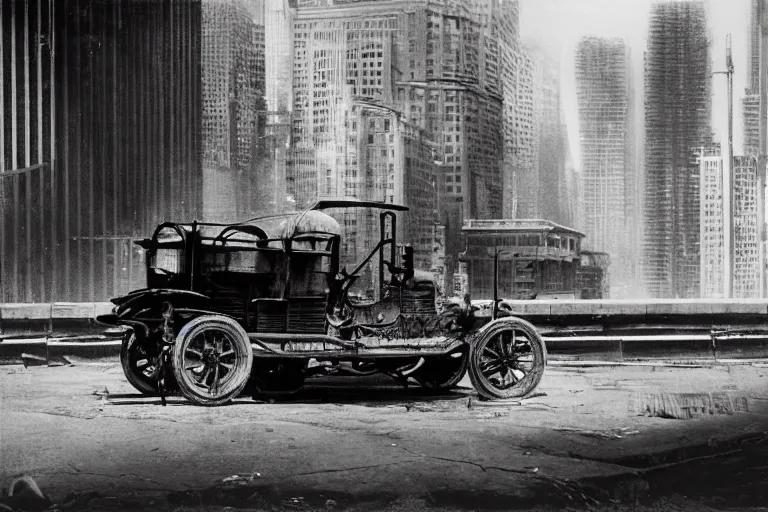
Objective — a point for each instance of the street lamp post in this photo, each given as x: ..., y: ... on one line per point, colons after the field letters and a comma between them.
x: 728, y: 179
x: 763, y: 132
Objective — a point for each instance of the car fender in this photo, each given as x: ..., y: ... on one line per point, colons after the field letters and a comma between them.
x: 154, y: 298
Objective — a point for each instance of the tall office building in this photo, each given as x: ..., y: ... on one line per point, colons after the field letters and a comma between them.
x: 677, y: 59
x: 526, y: 163
x: 90, y: 161
x: 278, y: 54
x: 607, y: 166
x: 435, y: 63
x: 750, y: 103
x: 712, y: 234
x: 745, y: 241
x: 746, y: 264
x: 233, y: 90
x: 549, y: 117
x: 509, y: 50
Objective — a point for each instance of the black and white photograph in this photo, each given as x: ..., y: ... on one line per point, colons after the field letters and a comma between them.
x: 383, y: 255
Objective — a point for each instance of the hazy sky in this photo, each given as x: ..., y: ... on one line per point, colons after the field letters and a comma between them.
x: 557, y: 25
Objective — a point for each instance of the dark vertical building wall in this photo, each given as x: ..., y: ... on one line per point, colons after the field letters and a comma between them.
x: 120, y: 140
x: 128, y: 89
x: 27, y: 176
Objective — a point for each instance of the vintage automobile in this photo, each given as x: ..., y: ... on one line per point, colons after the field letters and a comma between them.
x: 257, y: 307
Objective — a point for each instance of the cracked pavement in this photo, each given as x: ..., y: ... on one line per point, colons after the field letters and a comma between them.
x: 354, y: 441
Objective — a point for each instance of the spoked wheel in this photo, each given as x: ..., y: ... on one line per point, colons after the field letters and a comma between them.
x: 507, y: 360
x: 212, y: 360
x: 443, y: 372
x: 139, y: 367
x: 272, y: 378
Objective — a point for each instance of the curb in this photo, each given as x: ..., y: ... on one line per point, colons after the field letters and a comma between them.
x: 48, y: 349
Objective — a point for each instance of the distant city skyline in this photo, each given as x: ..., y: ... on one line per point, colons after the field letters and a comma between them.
x: 557, y: 26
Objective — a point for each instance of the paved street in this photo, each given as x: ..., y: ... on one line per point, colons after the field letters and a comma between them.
x: 349, y: 444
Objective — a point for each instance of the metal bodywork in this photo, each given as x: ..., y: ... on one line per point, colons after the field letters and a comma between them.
x: 284, y: 289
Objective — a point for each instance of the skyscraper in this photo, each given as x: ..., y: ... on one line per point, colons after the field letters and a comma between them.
x: 549, y: 117
x: 278, y: 54
x: 750, y: 103
x: 435, y: 63
x: 233, y: 91
x: 607, y: 167
x: 526, y: 161
x: 677, y: 121
x: 712, y: 237
x: 509, y: 50
x: 745, y: 261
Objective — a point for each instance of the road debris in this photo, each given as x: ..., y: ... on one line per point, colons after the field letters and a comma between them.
x: 604, y: 434
x: 33, y: 360
x: 102, y: 392
x: 241, y: 479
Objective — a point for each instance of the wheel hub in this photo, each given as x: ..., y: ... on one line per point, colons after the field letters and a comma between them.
x: 211, y: 356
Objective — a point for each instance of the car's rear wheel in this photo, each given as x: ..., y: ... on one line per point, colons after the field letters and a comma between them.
x: 139, y: 366
x: 507, y: 360
x: 276, y: 378
x: 443, y: 372
x: 212, y: 360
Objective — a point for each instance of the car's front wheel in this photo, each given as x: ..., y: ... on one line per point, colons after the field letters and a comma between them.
x: 507, y: 360
x: 212, y: 360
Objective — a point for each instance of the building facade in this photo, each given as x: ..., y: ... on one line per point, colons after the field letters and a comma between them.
x: 90, y: 160
x: 604, y: 94
x: 745, y: 236
x: 441, y: 63
x: 536, y: 257
x: 552, y: 140
x: 677, y: 59
x: 233, y: 95
x: 746, y: 263
x: 712, y: 234
x: 750, y: 103
x: 278, y: 49
x: 526, y: 162
x: 592, y: 275
x: 515, y: 135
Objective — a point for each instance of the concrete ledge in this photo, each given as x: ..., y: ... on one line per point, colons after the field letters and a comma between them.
x: 72, y: 310
x: 25, y: 311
